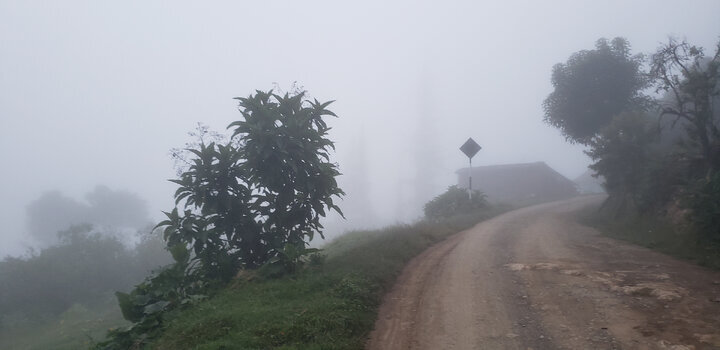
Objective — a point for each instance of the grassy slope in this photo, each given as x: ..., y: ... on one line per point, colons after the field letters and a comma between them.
x: 76, y: 328
x: 656, y: 233
x: 329, y: 306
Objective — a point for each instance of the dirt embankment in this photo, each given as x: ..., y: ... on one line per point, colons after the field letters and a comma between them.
x: 537, y: 279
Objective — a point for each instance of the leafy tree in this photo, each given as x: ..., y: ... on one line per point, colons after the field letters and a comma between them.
x: 597, y: 102
x: 622, y: 154
x: 454, y: 201
x: 254, y: 200
x: 592, y: 87
x: 691, y: 79
x: 201, y: 135
x: 245, y: 200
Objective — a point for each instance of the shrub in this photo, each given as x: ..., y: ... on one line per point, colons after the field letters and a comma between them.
x: 704, y: 202
x: 454, y: 201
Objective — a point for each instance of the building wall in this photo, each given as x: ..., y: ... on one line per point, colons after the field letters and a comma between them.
x: 519, y: 183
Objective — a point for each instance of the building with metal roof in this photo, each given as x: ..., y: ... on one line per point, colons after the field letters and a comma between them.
x: 518, y: 184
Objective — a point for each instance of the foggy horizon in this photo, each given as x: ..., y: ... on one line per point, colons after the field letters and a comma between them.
x: 95, y: 94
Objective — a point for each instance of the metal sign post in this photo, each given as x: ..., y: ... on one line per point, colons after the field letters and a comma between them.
x: 470, y: 179
x: 470, y: 148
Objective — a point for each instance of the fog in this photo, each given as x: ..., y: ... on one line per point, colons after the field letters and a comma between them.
x: 97, y: 93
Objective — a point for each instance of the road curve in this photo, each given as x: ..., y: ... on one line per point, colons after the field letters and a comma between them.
x: 535, y: 278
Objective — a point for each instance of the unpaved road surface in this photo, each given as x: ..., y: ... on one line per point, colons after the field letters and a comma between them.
x: 535, y: 278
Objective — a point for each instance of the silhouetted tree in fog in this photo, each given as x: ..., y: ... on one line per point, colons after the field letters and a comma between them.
x: 691, y: 79
x: 592, y: 87
x: 53, y: 212
x: 113, y: 211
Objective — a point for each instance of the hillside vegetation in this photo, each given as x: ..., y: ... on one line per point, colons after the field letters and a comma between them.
x: 653, y: 135
x: 246, y: 207
x: 331, y: 304
x: 61, y: 297
x: 242, y: 274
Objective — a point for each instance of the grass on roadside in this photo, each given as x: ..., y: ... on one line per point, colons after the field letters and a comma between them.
x: 327, y: 306
x: 76, y: 328
x: 656, y: 233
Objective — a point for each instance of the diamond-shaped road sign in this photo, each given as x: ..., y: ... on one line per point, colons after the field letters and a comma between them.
x: 470, y: 148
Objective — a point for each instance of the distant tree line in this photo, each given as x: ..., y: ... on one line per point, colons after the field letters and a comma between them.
x: 83, y: 267
x: 115, y: 212
x: 651, y: 124
x: 84, y: 252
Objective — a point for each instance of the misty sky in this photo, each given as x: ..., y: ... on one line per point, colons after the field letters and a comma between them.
x: 96, y: 93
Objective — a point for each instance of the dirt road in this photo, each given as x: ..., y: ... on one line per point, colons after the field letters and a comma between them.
x: 535, y: 278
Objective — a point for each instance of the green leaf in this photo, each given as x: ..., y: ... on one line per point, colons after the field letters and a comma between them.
x: 179, y: 253
x: 155, y: 307
x: 129, y: 311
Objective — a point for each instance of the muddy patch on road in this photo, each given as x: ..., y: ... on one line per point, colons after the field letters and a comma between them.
x: 644, y: 299
x: 637, y: 283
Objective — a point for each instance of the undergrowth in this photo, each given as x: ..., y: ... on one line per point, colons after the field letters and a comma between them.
x: 656, y: 233
x: 332, y: 304
x: 78, y: 327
